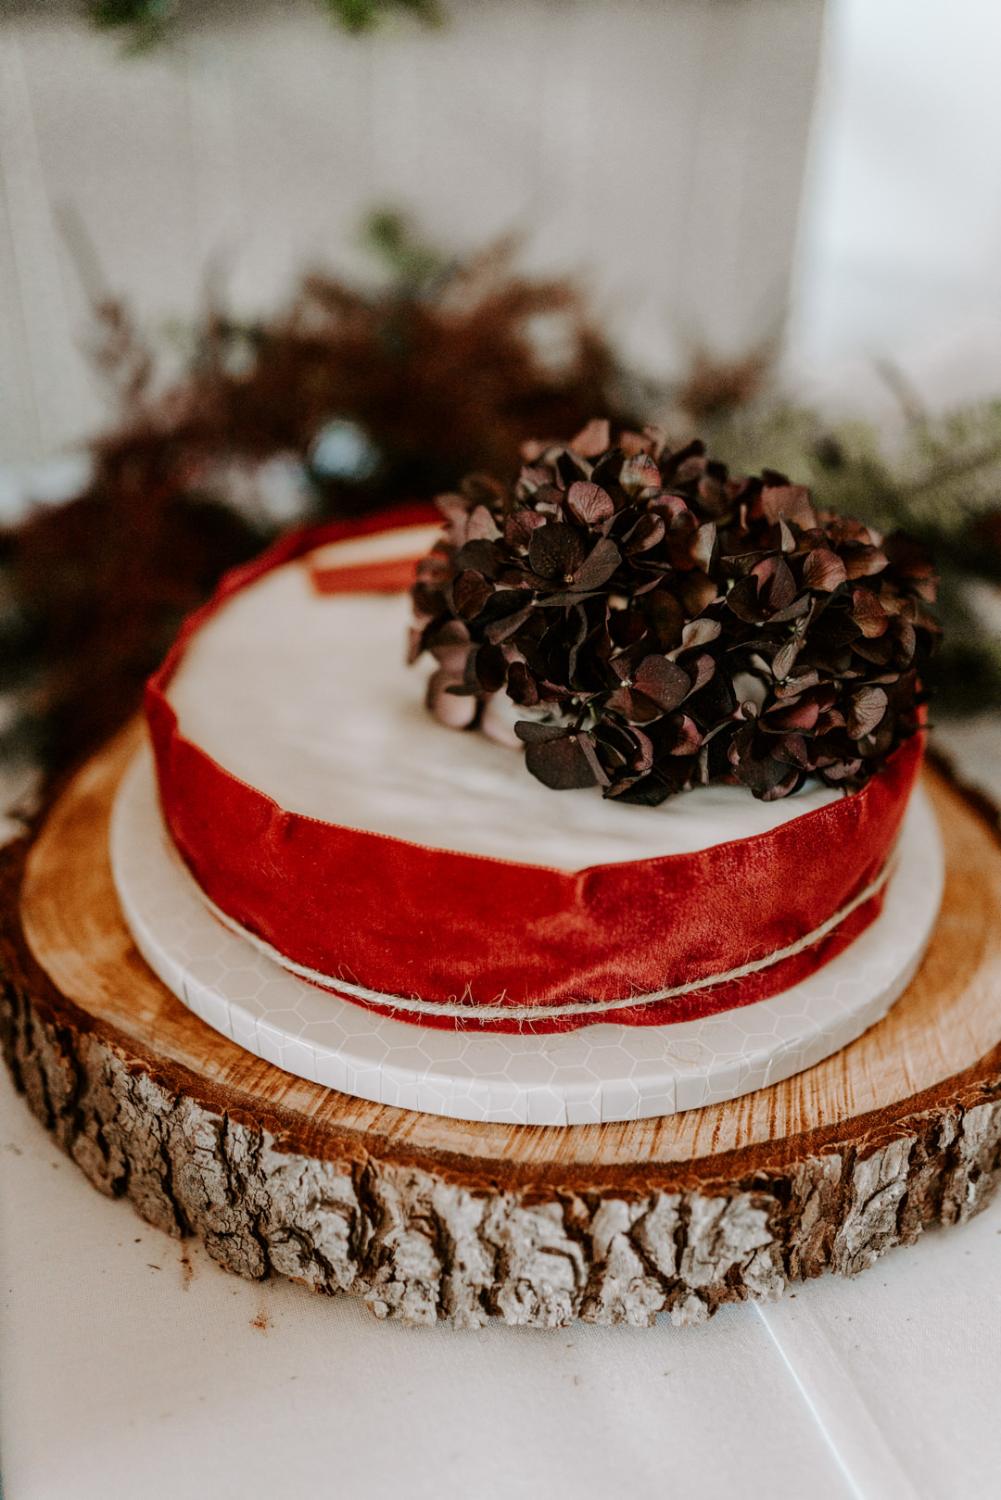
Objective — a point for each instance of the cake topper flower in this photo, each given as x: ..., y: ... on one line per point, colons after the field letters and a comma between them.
x: 647, y: 622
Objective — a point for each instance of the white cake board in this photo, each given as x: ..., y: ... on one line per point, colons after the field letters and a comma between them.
x: 593, y: 1075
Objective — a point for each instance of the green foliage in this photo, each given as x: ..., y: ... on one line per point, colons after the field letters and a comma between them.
x: 412, y: 264
x: 363, y: 15
x: 145, y: 23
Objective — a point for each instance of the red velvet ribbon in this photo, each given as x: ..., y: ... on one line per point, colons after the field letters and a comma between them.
x: 404, y: 920
x: 391, y: 576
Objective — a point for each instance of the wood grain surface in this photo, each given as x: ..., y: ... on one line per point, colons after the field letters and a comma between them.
x: 428, y: 1217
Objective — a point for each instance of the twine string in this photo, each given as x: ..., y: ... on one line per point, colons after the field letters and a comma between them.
x: 497, y: 1011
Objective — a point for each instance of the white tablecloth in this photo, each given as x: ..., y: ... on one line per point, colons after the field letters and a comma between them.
x: 131, y: 1366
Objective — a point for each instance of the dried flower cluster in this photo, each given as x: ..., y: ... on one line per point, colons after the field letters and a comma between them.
x: 661, y: 624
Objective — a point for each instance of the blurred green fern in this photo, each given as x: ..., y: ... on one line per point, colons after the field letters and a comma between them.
x: 941, y: 483
x: 145, y: 23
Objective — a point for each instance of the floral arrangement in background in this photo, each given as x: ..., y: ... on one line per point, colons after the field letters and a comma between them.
x: 350, y: 400
x: 346, y: 401
x: 938, y: 479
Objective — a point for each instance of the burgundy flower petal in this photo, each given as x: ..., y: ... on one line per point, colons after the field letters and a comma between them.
x: 518, y: 528
x: 863, y: 561
x: 687, y: 737
x: 776, y: 584
x: 702, y: 671
x: 480, y: 556
x: 648, y: 532
x: 592, y: 439
x: 639, y: 473
x: 507, y: 625
x: 470, y: 592
x: 743, y: 601
x: 700, y: 632
x: 789, y: 502
x: 823, y: 570
x: 642, y: 759
x: 482, y: 527
x: 599, y: 565
x: 801, y: 715
x: 556, y: 551
x: 521, y: 686
x: 868, y: 614
x: 704, y: 545
x: 868, y: 706
x: 560, y: 763
x: 633, y: 707
x: 697, y: 591
x: 663, y: 681
x: 785, y: 658
x: 589, y: 503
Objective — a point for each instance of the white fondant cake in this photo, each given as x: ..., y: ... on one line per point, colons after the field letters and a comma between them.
x: 597, y: 1074
x: 307, y: 697
x: 302, y: 693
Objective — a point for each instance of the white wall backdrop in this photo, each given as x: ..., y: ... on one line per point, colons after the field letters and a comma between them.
x: 656, y: 147
x: 901, y: 248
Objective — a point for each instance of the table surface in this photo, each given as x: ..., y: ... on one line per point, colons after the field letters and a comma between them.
x: 133, y: 1366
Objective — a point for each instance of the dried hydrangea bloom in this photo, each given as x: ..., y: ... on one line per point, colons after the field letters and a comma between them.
x: 662, y: 624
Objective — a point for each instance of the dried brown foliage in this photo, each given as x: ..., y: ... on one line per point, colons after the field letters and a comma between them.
x: 439, y: 370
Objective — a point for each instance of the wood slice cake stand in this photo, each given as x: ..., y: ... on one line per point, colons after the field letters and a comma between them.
x: 436, y: 1218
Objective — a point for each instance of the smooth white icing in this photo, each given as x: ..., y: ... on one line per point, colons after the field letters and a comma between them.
x: 307, y: 697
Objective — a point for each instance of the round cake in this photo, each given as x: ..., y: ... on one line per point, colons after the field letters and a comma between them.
x: 362, y: 844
